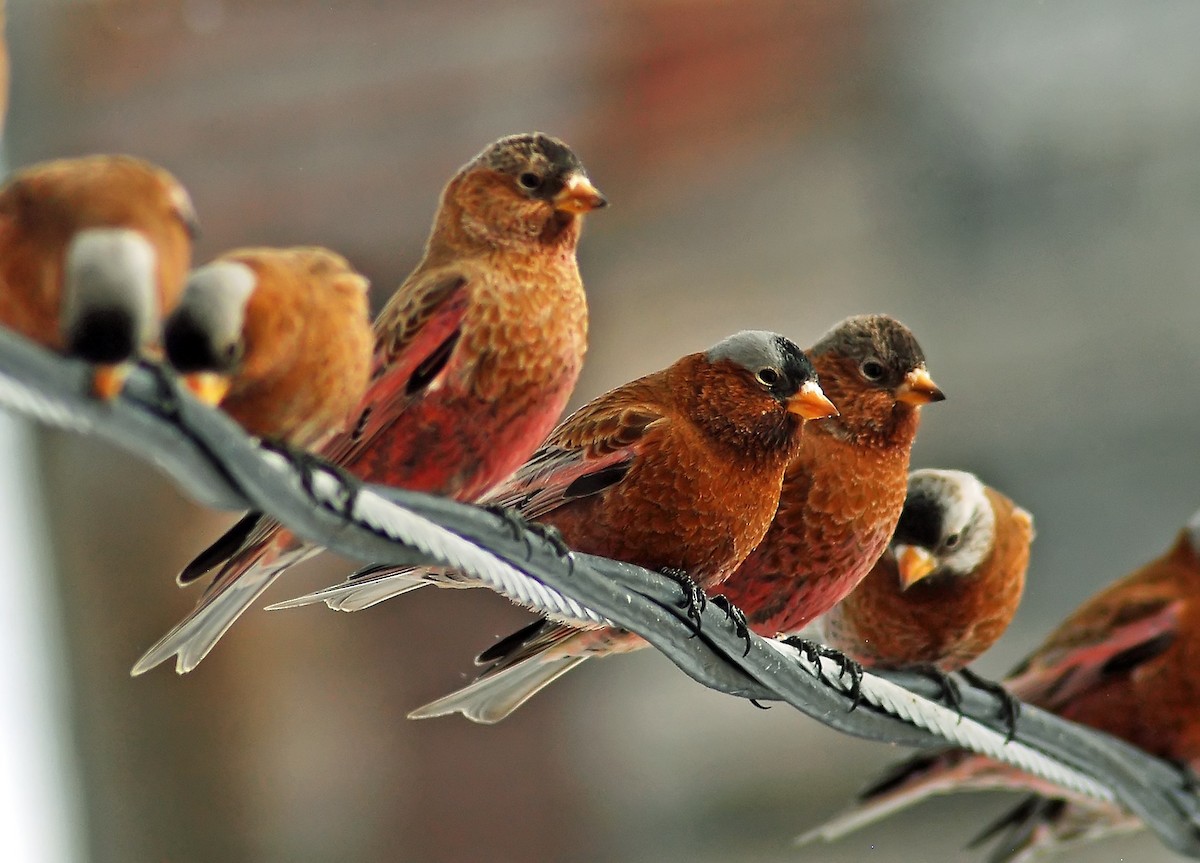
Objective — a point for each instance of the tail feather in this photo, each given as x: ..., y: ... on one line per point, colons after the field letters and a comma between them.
x: 236, y: 588
x: 1040, y: 826
x: 911, y: 782
x: 227, y: 545
x: 497, y: 694
x: 374, y: 584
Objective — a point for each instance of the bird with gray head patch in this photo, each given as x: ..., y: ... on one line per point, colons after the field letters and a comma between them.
x: 678, y: 471
x: 761, y: 375
x: 475, y: 357
x: 279, y: 338
x: 843, y: 492
x: 1123, y: 663
x: 949, y: 584
x: 93, y: 252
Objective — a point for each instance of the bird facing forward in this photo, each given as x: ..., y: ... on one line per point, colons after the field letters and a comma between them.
x: 843, y: 492
x: 1123, y: 663
x: 677, y: 471
x: 949, y: 584
x: 93, y: 254
x: 475, y: 357
x: 279, y: 338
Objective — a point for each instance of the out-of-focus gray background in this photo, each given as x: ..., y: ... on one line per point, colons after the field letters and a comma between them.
x: 1017, y: 181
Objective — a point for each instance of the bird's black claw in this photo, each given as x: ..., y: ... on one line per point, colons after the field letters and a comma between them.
x: 517, y: 525
x: 693, y: 599
x: 949, y: 691
x: 165, y: 391
x: 307, y: 465
x: 847, y: 667
x: 754, y: 701
x: 1010, y: 706
x: 740, y: 625
x: 551, y: 535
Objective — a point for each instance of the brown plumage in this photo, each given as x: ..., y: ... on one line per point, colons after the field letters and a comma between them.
x: 93, y: 253
x: 475, y: 357
x: 280, y: 338
x: 844, y: 490
x: 678, y: 470
x: 949, y: 584
x: 1127, y: 662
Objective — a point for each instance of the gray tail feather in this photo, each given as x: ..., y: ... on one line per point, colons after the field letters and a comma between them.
x: 1040, y: 826
x: 193, y: 637
x: 497, y: 694
x: 360, y: 592
x: 907, y: 784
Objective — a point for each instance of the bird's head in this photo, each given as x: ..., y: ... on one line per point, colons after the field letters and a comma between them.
x: 523, y: 189
x: 874, y: 370
x: 757, y: 384
x: 947, y: 527
x: 204, y: 337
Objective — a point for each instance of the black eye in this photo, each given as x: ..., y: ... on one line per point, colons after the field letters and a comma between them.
x: 768, y: 377
x: 529, y: 180
x: 952, y: 540
x: 872, y: 370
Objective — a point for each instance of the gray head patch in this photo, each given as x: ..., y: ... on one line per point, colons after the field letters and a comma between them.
x: 214, y: 305
x: 959, y: 524
x: 516, y: 153
x: 750, y: 349
x: 111, y: 270
x: 878, y: 337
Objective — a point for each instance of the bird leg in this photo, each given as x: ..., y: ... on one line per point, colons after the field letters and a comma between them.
x: 519, y: 526
x: 165, y: 391
x: 815, y: 652
x: 694, y: 599
x: 740, y: 625
x: 307, y: 465
x: 949, y: 693
x: 1010, y: 706
x: 551, y: 535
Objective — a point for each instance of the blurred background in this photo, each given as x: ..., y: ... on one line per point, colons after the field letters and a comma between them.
x: 1018, y: 182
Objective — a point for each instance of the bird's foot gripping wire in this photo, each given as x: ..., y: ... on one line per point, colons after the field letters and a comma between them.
x: 694, y: 600
x: 740, y: 625
x: 308, y: 465
x: 1010, y: 706
x: 847, y: 667
x: 166, y: 392
x: 948, y: 690
x: 521, y: 528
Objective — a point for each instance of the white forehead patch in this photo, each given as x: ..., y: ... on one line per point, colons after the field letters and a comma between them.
x: 111, y: 268
x: 215, y: 299
x: 966, y: 512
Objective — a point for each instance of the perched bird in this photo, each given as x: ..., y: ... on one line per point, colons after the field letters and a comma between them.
x: 949, y: 584
x: 279, y: 338
x: 93, y: 254
x: 843, y: 492
x: 1123, y: 663
x: 475, y: 357
x: 677, y: 471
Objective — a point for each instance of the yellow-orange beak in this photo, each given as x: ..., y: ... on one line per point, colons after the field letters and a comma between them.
x: 579, y: 196
x: 914, y: 564
x: 918, y: 389
x: 208, y: 387
x: 108, y: 381
x: 810, y: 403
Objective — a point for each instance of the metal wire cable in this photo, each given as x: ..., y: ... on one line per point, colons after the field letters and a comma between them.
x: 218, y: 465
